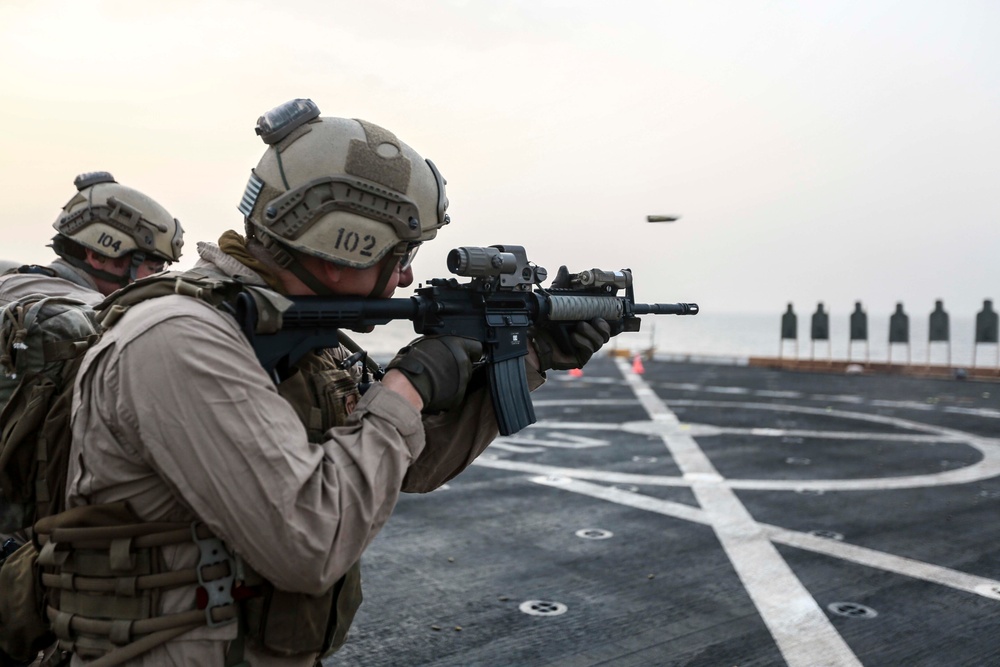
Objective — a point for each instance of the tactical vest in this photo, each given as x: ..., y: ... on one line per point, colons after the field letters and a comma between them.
x: 103, y: 570
x: 323, y: 396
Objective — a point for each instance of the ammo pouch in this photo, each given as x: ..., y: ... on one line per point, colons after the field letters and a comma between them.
x: 24, y: 631
x: 295, y: 623
x: 103, y: 572
x: 322, y: 395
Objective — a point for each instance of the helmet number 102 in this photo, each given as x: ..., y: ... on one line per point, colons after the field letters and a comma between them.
x: 109, y: 241
x: 349, y: 241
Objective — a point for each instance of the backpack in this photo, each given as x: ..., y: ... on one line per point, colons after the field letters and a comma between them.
x: 43, y: 341
x: 42, y: 344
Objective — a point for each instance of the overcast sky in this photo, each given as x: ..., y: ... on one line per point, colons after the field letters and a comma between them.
x: 818, y: 151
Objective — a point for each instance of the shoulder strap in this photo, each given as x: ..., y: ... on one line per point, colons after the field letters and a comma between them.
x: 36, y: 269
x: 220, y: 293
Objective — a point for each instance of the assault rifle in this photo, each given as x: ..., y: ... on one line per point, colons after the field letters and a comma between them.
x: 497, y: 307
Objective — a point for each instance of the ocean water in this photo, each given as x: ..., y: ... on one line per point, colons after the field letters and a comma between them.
x: 741, y: 335
x: 733, y: 337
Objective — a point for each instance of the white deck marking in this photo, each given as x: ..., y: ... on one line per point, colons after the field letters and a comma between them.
x: 801, y: 630
x: 517, y: 449
x: 584, y: 401
x: 555, y: 440
x: 837, y: 398
x: 935, y: 574
x: 904, y: 405
x: 978, y: 412
x: 767, y: 393
x: 986, y: 468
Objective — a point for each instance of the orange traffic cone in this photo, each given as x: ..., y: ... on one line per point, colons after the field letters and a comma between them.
x: 637, y: 365
x: 576, y: 372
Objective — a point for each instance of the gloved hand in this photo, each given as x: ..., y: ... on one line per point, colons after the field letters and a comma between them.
x: 570, y: 345
x: 439, y: 368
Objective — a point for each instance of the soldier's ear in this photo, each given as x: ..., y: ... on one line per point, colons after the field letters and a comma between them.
x: 330, y: 273
x: 94, y: 259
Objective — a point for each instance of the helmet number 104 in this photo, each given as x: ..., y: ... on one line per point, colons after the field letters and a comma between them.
x: 109, y: 241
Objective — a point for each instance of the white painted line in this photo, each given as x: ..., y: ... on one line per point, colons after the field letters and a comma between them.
x: 823, y: 435
x: 680, y: 386
x: 631, y: 499
x: 903, y: 405
x: 576, y: 426
x: 585, y: 380
x: 583, y: 401
x: 839, y: 398
x: 978, y: 412
x: 517, y: 449
x: 580, y: 473
x: 835, y: 398
x: 801, y: 630
x: 897, y: 422
x: 555, y: 440
x: 988, y: 467
x: 908, y: 567
x: 727, y: 390
x: 767, y: 393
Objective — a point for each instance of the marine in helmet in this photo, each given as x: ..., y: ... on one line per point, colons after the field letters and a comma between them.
x: 283, y: 486
x: 342, y: 193
x: 107, y: 235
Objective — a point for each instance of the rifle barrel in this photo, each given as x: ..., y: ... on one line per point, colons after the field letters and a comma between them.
x: 665, y: 309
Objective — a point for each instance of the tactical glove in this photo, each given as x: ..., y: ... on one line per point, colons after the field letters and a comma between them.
x: 439, y: 369
x: 570, y: 345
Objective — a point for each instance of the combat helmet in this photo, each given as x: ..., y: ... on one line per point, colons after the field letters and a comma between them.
x: 343, y: 190
x: 114, y: 221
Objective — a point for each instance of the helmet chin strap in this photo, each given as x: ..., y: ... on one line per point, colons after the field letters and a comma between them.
x: 138, y: 257
x: 100, y: 273
x: 288, y: 262
x: 384, y: 276
x: 310, y: 281
x: 60, y: 246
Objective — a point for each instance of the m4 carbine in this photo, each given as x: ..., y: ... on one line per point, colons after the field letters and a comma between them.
x: 497, y: 307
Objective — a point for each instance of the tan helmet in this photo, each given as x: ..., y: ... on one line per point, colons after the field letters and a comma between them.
x: 346, y: 191
x: 113, y: 220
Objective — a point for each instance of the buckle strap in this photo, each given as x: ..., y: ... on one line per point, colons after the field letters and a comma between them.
x: 212, y: 551
x: 121, y: 632
x: 133, y: 585
x: 144, y: 535
x: 75, y: 623
x: 178, y: 532
x: 121, y: 557
x: 49, y: 556
x: 61, y: 624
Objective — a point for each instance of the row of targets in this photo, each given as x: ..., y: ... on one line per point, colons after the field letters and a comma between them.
x: 939, y: 330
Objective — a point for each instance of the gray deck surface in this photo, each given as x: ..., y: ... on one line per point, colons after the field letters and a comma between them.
x: 739, y: 507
